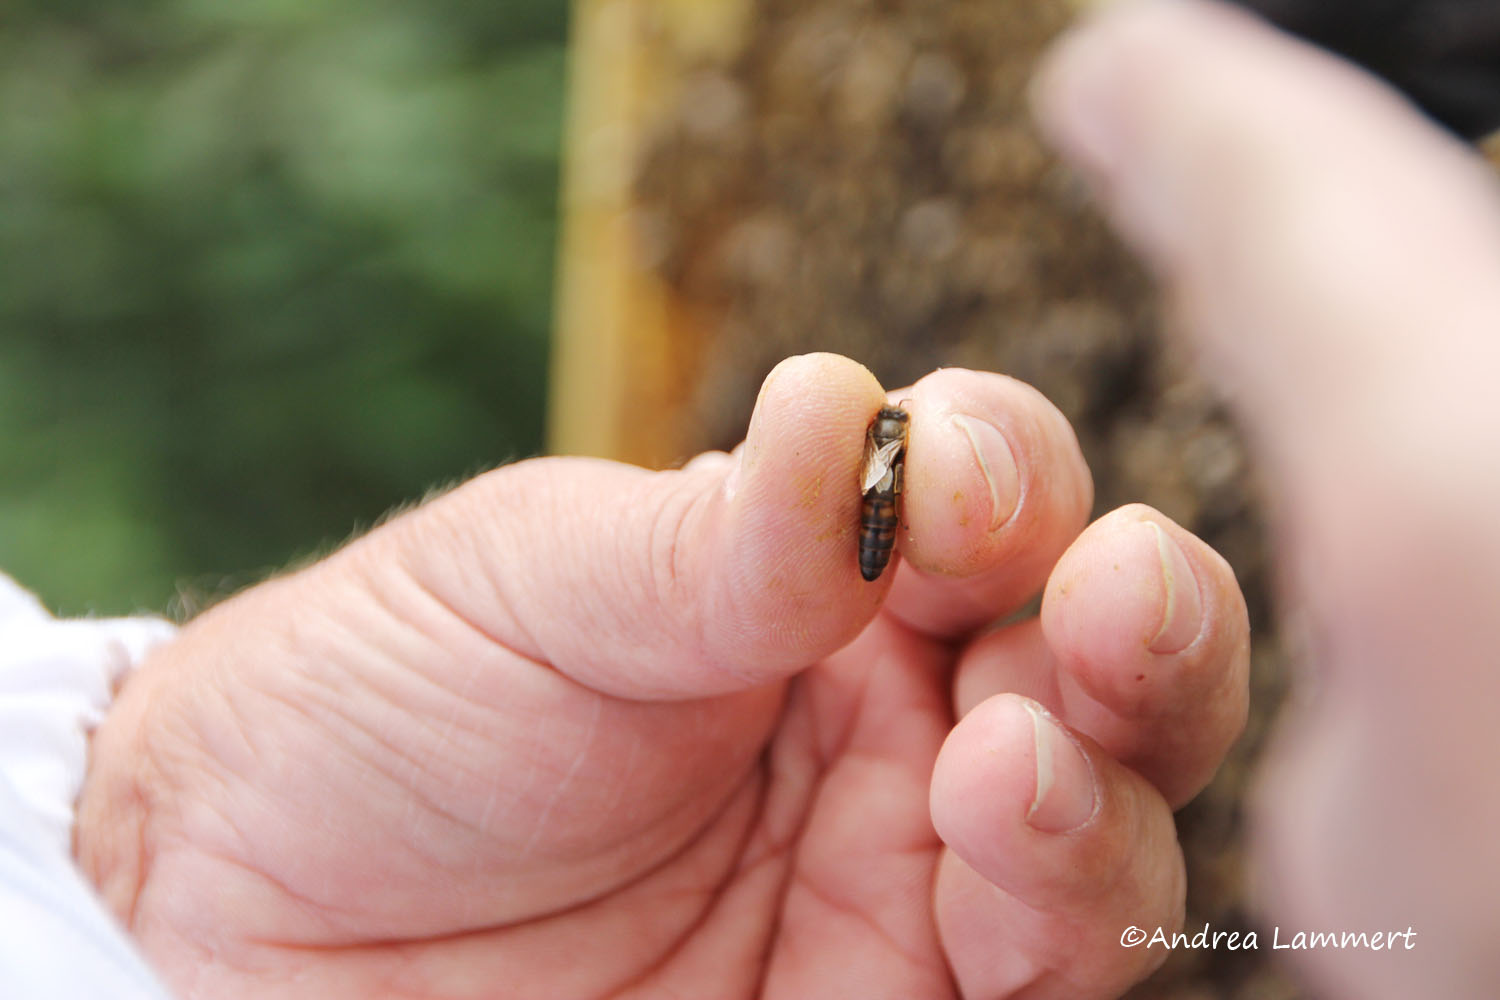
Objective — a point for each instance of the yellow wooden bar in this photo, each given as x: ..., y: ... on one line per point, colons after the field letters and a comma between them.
x: 619, y: 375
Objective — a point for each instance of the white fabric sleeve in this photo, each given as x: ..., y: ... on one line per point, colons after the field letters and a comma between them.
x: 56, y: 681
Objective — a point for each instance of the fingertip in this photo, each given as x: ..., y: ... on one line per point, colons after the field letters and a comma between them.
x: 996, y: 487
x: 786, y: 570
x: 808, y: 426
x: 992, y: 466
x: 1038, y: 809
x: 798, y: 469
x: 813, y: 383
x: 1121, y: 588
x: 984, y: 781
x: 1009, y: 778
x: 1144, y: 616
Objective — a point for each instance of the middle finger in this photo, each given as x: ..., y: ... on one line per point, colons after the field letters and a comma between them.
x: 1143, y: 643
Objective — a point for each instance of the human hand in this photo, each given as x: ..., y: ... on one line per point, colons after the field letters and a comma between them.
x: 1336, y: 260
x: 578, y: 730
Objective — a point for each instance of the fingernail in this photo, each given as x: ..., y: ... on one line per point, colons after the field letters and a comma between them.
x: 1182, y: 615
x: 1065, y: 794
x: 997, y: 464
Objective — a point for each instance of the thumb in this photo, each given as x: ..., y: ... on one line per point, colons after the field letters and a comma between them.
x: 1336, y: 258
x: 1334, y: 253
x: 714, y: 578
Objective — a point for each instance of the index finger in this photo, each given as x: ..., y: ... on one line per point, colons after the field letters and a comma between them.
x: 996, y: 490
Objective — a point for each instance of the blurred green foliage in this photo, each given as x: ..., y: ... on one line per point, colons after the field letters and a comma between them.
x: 267, y: 269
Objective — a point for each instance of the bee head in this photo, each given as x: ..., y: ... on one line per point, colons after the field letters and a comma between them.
x: 889, y: 424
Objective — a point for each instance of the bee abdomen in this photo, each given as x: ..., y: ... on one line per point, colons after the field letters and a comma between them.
x: 877, y: 535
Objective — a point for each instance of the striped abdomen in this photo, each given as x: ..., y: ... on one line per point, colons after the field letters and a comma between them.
x: 877, y: 532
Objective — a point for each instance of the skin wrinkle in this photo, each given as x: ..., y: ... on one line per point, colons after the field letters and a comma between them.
x: 539, y: 825
x: 463, y: 522
x: 598, y: 703
x: 784, y: 847
x: 736, y: 875
x: 838, y: 742
x: 334, y: 703
x: 395, y: 612
x: 314, y: 631
x: 358, y: 755
x: 410, y: 765
x: 755, y: 776
x: 522, y: 661
x: 861, y: 917
x: 148, y: 849
x: 721, y: 885
x: 671, y: 587
x: 677, y: 567
x: 618, y: 573
x: 146, y: 856
x: 480, y: 729
x: 491, y: 802
x: 309, y: 906
x: 533, y: 761
x: 450, y: 718
x: 144, y: 832
x: 689, y: 839
x: 1043, y: 973
x: 627, y: 770
x: 1047, y: 975
x: 460, y: 697
x: 806, y: 735
x: 826, y: 760
x: 772, y: 932
x: 778, y: 911
x: 372, y: 764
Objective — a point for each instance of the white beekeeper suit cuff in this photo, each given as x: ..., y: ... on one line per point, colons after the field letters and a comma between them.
x: 57, y: 678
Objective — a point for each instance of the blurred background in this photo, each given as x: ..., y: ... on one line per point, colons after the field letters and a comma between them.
x: 267, y: 270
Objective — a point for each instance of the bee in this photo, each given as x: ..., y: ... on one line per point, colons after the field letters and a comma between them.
x: 885, y: 462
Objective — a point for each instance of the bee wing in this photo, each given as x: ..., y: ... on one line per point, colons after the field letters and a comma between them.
x: 878, y: 462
